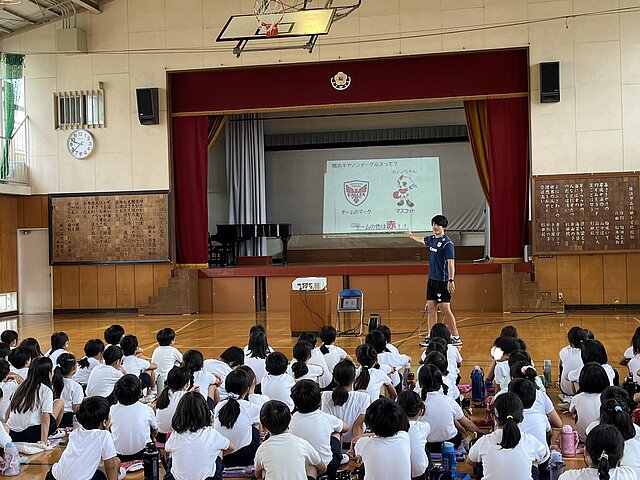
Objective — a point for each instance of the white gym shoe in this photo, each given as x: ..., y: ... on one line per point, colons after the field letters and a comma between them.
x: 345, y: 459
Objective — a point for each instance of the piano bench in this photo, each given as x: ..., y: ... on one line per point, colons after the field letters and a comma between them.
x: 261, y: 261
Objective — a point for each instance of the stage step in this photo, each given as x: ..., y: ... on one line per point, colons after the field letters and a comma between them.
x: 179, y: 297
x: 522, y: 294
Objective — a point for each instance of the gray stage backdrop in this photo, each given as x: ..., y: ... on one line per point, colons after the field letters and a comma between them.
x: 295, y: 186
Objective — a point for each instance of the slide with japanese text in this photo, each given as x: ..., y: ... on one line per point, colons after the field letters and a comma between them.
x: 374, y: 196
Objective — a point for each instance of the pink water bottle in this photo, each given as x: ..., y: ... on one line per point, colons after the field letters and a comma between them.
x: 11, y: 465
x: 568, y: 441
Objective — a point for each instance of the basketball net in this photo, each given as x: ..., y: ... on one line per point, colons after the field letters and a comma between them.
x: 269, y: 14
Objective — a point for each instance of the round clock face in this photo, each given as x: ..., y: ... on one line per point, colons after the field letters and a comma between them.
x: 80, y: 143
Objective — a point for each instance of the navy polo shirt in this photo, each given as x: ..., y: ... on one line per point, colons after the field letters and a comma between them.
x: 440, y: 250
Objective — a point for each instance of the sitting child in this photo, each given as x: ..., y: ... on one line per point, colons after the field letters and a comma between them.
x: 332, y: 354
x: 397, y: 361
x: 256, y: 399
x: 386, y: 453
x: 277, y: 384
x: 317, y: 358
x: 586, y: 404
x: 112, y: 335
x: 502, y: 348
x: 33, y: 346
x: 283, y: 455
x: 93, y: 350
x: 176, y: 385
x: 59, y: 341
x: 195, y: 446
x: 616, y: 413
x: 454, y: 358
x: 508, y: 449
x: 231, y: 358
x: 301, y: 367
x: 320, y: 429
x: 413, y: 406
x: 89, y: 446
x: 204, y: 382
x: 19, y: 360
x: 133, y: 423
x: 238, y: 420
x: 136, y: 364
x: 591, y: 351
x: 66, y: 389
x: 103, y: 377
x: 570, y: 359
x: 258, y: 351
x: 165, y: 356
x: 371, y: 377
x: 258, y: 327
x: 8, y: 386
x: 604, y: 450
x: 10, y: 337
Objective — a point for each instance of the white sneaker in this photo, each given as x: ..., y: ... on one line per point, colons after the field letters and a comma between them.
x: 122, y: 473
x: 60, y: 433
x: 456, y: 341
x: 345, y: 459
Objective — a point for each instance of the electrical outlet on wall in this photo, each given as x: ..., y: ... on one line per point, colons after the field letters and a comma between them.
x: 560, y: 297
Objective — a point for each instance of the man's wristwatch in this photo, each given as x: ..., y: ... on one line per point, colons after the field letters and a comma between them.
x: 451, y: 280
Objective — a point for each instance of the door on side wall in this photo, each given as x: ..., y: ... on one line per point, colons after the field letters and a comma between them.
x: 34, y: 272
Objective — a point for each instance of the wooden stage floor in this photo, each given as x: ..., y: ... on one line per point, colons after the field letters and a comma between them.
x: 545, y: 335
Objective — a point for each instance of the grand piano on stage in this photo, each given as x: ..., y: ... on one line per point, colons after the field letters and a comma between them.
x: 232, y: 236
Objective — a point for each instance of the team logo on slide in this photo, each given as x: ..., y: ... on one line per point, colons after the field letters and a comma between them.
x: 356, y: 191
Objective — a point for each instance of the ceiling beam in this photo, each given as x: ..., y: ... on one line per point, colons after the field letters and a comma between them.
x: 21, y: 17
x: 5, y: 30
x: 90, y: 5
x: 44, y: 7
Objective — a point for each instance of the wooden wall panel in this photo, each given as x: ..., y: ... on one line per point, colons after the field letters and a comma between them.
x: 334, y: 285
x: 88, y: 297
x: 57, y: 287
x: 205, y: 295
x: 491, y: 300
x: 278, y: 289
x: 107, y: 286
x: 143, y: 284
x: 375, y: 289
x: 547, y: 275
x: 569, y: 278
x: 44, y: 211
x: 470, y: 290
x: 633, y: 277
x: 20, y: 212
x: 591, y: 280
x: 161, y: 275
x: 407, y: 292
x: 70, y: 280
x: 125, y: 286
x: 615, y: 278
x: 234, y: 295
x: 8, y: 243
x: 33, y: 212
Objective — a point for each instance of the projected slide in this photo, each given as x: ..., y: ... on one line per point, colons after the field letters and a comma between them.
x: 369, y: 196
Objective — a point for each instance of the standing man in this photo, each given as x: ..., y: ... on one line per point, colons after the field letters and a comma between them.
x: 442, y: 269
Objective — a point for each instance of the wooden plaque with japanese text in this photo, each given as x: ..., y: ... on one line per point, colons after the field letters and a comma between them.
x: 590, y: 213
x: 99, y: 228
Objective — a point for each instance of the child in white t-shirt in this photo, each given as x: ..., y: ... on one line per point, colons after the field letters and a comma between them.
x: 59, y: 341
x: 165, y: 356
x: 535, y: 422
x: 570, y: 359
x: 317, y: 358
x: 133, y: 423
x: 90, y: 453
x: 386, y: 453
x: 508, y: 452
x: 332, y: 354
x: 386, y: 331
x: 256, y: 399
x: 177, y: 383
x: 440, y: 361
x: 237, y: 419
x: 586, y: 404
x: 592, y: 351
x: 320, y: 429
x: 231, y: 358
x: 93, y: 350
x: 371, y: 377
x: 454, y: 358
x: 258, y: 351
x: 301, y: 367
x: 66, y: 389
x: 345, y: 403
x: 136, y: 364
x: 502, y: 348
x: 195, y: 446
x: 10, y: 337
x: 258, y: 327
x: 413, y: 406
x: 277, y: 384
x: 19, y: 360
x: 616, y: 413
x: 397, y: 361
x: 34, y: 422
x: 206, y: 383
x: 102, y: 379
x: 283, y: 455
x: 8, y: 386
x: 603, y: 453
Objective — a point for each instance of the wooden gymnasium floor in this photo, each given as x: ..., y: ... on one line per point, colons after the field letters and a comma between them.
x: 545, y: 335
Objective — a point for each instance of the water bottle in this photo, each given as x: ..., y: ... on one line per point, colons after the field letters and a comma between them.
x: 477, y: 384
x: 568, y: 441
x: 11, y: 465
x: 556, y: 465
x: 151, y: 462
x: 449, y: 458
x: 546, y: 372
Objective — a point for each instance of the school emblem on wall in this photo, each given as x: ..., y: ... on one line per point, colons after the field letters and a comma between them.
x: 340, y: 81
x: 356, y: 191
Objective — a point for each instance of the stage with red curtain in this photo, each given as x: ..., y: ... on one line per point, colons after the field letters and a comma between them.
x: 500, y: 77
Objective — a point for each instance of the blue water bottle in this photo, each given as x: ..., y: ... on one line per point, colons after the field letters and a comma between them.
x: 449, y: 458
x: 477, y: 384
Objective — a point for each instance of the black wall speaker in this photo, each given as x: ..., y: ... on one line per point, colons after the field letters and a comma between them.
x: 148, y: 111
x: 550, y: 82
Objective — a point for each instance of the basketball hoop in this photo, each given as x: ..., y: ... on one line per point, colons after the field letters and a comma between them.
x: 269, y: 14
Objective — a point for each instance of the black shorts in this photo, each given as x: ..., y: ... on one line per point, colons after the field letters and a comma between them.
x: 438, y: 291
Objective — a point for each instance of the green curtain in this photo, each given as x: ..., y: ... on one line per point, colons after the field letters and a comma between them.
x: 11, y: 71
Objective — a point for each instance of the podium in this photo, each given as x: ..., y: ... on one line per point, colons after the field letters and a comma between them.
x: 309, y: 311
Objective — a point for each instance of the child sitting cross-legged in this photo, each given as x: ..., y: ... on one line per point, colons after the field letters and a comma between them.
x: 103, y: 377
x: 277, y: 384
x: 66, y: 389
x: 237, y: 419
x: 283, y: 455
x: 133, y: 423
x: 205, y: 382
x: 136, y: 364
x: 89, y: 446
x: 320, y: 429
x: 508, y: 452
x: 370, y: 376
x: 231, y: 358
x: 195, y: 446
x: 175, y: 387
x: 413, y: 406
x: 301, y: 367
x: 165, y: 356
x: 386, y: 453
x: 93, y: 350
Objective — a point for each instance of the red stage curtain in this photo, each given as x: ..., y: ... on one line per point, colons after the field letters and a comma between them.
x: 190, y: 140
x: 505, y: 141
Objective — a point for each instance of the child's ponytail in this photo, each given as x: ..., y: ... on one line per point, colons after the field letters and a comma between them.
x: 92, y: 348
x: 508, y: 410
x: 430, y: 380
x: 328, y: 336
x: 177, y: 379
x: 237, y: 385
x: 616, y: 414
x: 367, y: 358
x: 344, y: 374
x: 523, y: 370
x: 65, y: 365
x: 605, y: 446
x: 301, y: 353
